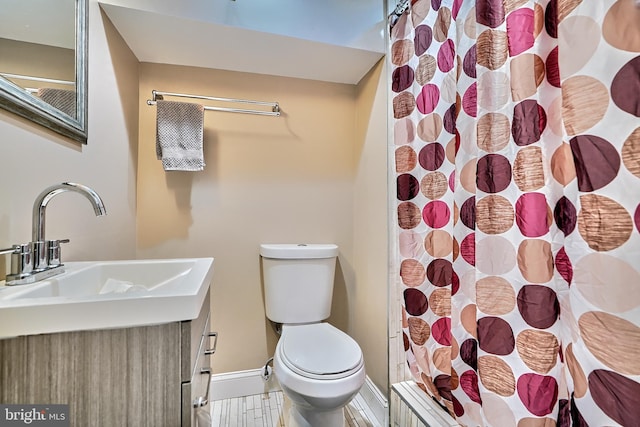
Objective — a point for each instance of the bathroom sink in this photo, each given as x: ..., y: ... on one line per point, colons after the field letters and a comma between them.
x: 130, y: 279
x: 107, y: 294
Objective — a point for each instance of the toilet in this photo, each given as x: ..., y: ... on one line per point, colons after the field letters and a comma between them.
x: 319, y: 367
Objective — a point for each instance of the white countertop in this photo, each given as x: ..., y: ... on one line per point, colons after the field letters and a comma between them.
x: 106, y: 295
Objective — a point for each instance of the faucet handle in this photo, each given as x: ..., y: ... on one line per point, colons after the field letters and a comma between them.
x: 21, y: 258
x: 53, y: 252
x: 10, y: 250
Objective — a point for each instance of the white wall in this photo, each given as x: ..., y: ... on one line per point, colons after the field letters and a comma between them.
x: 34, y: 158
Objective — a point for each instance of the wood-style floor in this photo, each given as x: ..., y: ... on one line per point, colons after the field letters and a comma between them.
x: 266, y: 410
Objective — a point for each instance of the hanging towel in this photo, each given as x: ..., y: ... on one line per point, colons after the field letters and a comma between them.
x: 62, y: 99
x: 179, y: 135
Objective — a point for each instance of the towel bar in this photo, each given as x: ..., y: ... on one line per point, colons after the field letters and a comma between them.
x: 275, y: 107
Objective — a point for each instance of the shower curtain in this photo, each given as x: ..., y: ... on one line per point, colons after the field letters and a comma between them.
x: 516, y: 139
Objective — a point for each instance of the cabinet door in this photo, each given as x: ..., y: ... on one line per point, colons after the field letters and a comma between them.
x: 191, y: 333
x: 200, y: 388
x: 13, y: 370
x: 197, y: 351
x: 114, y: 377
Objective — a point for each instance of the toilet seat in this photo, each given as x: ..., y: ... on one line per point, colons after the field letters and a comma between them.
x: 319, y: 351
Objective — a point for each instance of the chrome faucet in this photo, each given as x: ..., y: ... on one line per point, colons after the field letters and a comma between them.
x: 40, y: 259
x: 39, y: 214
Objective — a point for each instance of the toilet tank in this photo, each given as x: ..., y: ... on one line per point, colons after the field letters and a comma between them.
x: 298, y: 281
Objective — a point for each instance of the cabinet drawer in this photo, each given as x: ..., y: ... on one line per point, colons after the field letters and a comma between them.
x: 201, y: 382
x: 196, y: 393
x: 192, y: 332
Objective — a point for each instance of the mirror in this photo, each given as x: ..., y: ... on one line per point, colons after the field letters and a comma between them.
x: 43, y: 68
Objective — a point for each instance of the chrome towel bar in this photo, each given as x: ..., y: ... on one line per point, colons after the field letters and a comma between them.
x: 275, y: 107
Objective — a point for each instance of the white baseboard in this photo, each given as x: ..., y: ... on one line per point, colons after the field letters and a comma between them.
x: 374, y: 402
x: 416, y: 401
x: 241, y: 383
x: 230, y: 385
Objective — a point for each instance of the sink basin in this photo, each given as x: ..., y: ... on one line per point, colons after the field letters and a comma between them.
x: 107, y: 294
x: 129, y: 278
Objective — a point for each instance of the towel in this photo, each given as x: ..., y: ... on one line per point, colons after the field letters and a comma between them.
x: 179, y: 135
x: 62, y: 99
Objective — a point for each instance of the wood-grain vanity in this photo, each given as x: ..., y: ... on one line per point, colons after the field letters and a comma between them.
x: 138, y: 376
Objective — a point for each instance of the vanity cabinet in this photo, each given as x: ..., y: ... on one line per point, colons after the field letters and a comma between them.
x: 139, y: 376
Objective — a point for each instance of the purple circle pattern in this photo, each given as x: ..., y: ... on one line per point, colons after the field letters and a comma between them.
x: 446, y: 56
x: 565, y: 204
x: 565, y: 215
x: 422, y: 39
x: 469, y: 353
x: 529, y: 121
x: 495, y: 336
x: 407, y: 187
x: 616, y: 395
x: 597, y: 162
x: 625, y: 88
x: 469, y: 63
x: 431, y: 156
x: 538, y: 306
x: 468, y: 213
x: 440, y: 272
x: 415, y: 301
x: 493, y: 173
x: 402, y: 78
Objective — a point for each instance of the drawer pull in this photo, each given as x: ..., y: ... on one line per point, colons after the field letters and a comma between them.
x: 215, y: 343
x: 204, y: 400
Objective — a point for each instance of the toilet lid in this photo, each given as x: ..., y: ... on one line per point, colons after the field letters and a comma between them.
x: 320, y: 349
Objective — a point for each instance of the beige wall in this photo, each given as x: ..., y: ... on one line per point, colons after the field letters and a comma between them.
x: 296, y: 178
x: 37, y: 60
x: 368, y: 303
x: 34, y: 158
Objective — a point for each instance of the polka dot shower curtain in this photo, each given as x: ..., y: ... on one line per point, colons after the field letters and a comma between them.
x: 517, y: 162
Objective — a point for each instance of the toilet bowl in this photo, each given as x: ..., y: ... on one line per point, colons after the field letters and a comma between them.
x: 320, y: 368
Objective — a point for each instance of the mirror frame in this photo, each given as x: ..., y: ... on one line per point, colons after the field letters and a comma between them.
x: 22, y: 103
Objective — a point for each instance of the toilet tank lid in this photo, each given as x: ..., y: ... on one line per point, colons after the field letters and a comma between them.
x: 298, y: 251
